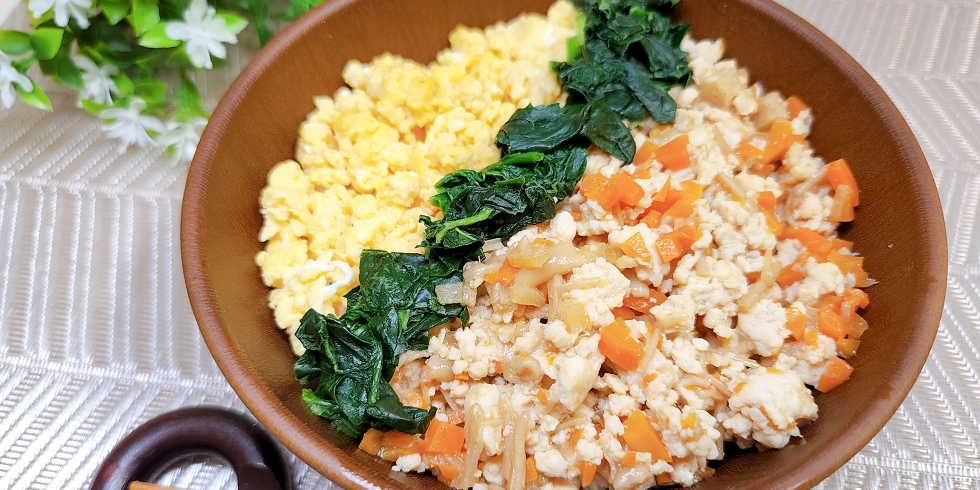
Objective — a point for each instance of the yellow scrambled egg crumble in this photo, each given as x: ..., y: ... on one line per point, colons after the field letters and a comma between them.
x: 368, y: 158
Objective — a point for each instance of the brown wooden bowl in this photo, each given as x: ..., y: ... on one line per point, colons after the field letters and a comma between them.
x: 899, y: 225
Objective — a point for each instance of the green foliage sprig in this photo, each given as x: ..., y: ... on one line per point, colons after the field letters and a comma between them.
x: 132, y: 61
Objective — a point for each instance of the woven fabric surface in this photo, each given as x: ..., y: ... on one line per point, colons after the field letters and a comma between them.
x: 97, y: 334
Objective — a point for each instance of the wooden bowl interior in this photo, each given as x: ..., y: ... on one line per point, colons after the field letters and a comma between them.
x: 898, y: 228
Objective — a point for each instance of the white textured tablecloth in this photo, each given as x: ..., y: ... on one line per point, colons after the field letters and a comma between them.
x: 97, y: 335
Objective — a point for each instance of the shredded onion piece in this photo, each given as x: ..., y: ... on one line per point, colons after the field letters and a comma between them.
x: 811, y: 182
x: 767, y: 277
x: 449, y: 293
x: 492, y: 245
x: 592, y: 282
x: 702, y: 267
x: 474, y: 447
x: 575, y: 422
x: 720, y: 139
x: 842, y: 200
x: 554, y: 297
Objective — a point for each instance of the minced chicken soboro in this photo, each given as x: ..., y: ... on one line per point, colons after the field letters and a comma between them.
x: 671, y: 305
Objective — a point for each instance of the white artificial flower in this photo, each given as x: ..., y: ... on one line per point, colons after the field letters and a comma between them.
x: 182, y: 138
x: 129, y: 125
x: 202, y: 34
x: 98, y: 86
x: 8, y: 77
x: 76, y: 9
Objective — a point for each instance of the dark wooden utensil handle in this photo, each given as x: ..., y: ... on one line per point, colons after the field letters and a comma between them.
x: 155, y: 445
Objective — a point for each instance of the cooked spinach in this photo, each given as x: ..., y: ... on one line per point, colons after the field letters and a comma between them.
x: 627, y: 55
x: 352, y: 358
x: 499, y: 201
x: 620, y: 65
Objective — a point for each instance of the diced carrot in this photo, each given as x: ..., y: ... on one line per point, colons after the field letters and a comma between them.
x: 745, y: 150
x: 626, y: 189
x: 650, y: 378
x: 575, y: 436
x: 596, y: 187
x: 443, y: 437
x: 652, y: 219
x: 636, y: 248
x: 795, y: 106
x: 738, y: 388
x: 795, y: 322
x: 836, y: 372
x: 837, y: 244
x: 813, y: 241
x: 684, y: 208
x: 838, y: 172
x: 506, y: 273
x: 530, y: 471
x: 788, y: 232
x: 543, y: 396
x: 577, y: 216
x: 846, y: 348
x: 689, y: 421
x: 588, y: 472
x: 664, y: 479
x: 680, y: 210
x: 396, y: 444
x: 591, y: 185
x: 371, y: 441
x: 674, y: 154
x: 830, y: 323
x: 642, y: 437
x: 543, y: 241
x: 645, y: 152
x: 629, y: 460
x: 858, y: 326
x: 831, y: 301
x: 811, y: 338
x: 763, y: 170
x: 775, y: 227
x: 780, y: 138
x: 850, y: 264
x: 619, y: 346
x: 623, y: 312
x: 767, y: 201
x: 856, y: 298
x: 789, y: 275
x: 644, y: 305
x: 676, y: 243
x: 447, y: 472
x: 643, y: 173
x: 661, y: 195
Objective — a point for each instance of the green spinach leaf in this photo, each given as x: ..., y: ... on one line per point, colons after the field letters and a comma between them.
x: 352, y: 358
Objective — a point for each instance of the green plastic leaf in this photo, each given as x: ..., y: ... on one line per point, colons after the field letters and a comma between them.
x: 152, y: 92
x: 23, y: 64
x: 67, y: 72
x: 124, y: 84
x: 234, y: 23
x: 299, y: 7
x: 188, y: 100
x: 115, y: 10
x: 35, y: 98
x: 145, y: 16
x: 14, y: 43
x: 157, y: 38
x: 46, y: 42
x: 93, y: 107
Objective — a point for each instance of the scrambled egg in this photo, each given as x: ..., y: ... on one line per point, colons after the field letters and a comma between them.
x: 368, y: 158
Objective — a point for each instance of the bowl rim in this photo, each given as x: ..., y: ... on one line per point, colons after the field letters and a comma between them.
x: 326, y: 459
